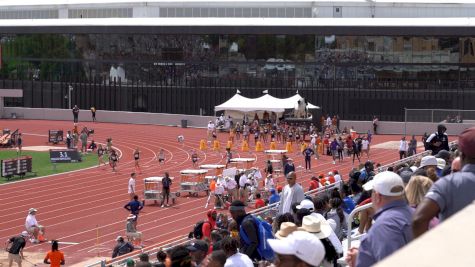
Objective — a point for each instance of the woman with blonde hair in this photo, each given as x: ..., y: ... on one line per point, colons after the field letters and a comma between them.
x: 416, y: 189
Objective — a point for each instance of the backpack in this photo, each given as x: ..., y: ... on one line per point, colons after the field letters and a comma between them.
x: 197, y: 230
x: 264, y: 232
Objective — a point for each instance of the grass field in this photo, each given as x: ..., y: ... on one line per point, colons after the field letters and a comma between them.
x: 42, y: 165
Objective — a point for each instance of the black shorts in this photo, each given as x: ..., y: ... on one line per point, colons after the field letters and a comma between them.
x: 161, y: 160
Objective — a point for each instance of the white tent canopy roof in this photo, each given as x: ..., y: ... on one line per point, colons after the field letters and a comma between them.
x: 263, y: 103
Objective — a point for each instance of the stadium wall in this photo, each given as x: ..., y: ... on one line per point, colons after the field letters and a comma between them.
x: 385, y: 127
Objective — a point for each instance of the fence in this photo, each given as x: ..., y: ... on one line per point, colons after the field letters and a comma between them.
x: 351, y: 99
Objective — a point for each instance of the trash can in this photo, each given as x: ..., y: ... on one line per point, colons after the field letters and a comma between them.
x: 184, y: 123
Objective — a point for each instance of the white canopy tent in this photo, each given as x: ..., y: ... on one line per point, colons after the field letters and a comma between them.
x: 239, y: 105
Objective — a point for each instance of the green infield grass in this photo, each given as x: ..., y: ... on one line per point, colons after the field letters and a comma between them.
x: 42, y: 165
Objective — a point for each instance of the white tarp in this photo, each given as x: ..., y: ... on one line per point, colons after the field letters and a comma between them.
x: 263, y: 103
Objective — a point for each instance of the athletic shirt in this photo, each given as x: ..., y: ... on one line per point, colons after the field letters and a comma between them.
x: 100, y: 152
x: 194, y: 157
x: 113, y: 157
x: 136, y: 155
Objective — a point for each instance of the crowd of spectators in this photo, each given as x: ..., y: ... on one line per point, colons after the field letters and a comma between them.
x: 407, y: 200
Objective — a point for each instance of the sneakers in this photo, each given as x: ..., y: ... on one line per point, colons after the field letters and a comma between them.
x: 334, y: 162
x: 163, y: 206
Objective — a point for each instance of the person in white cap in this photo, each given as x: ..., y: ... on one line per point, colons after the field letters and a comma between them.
x: 427, y: 162
x: 15, y: 246
x: 392, y: 227
x: 299, y: 249
x: 33, y: 227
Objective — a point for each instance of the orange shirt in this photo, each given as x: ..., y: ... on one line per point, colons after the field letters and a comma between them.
x: 331, y: 179
x: 55, y: 257
x: 212, y: 186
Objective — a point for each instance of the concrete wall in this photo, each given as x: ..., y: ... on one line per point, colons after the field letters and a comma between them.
x: 385, y: 127
x: 107, y: 116
x: 417, y: 128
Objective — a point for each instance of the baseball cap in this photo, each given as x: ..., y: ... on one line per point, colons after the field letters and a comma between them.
x: 306, y: 204
x: 119, y: 238
x: 440, y: 163
x: 443, y: 154
x: 386, y: 183
x: 428, y: 161
x: 198, y: 245
x: 130, y: 262
x: 466, y: 142
x: 24, y: 234
x: 305, y: 246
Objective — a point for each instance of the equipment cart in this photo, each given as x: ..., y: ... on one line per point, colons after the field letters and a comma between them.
x: 153, y: 190
x: 218, y: 170
x: 193, y: 182
x: 242, y: 163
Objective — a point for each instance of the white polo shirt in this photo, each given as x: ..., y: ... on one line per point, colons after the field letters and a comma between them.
x: 131, y: 188
x: 242, y: 180
x: 30, y: 221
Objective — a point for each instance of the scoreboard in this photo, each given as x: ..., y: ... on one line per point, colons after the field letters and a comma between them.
x: 55, y: 136
x: 18, y: 166
x: 64, y: 155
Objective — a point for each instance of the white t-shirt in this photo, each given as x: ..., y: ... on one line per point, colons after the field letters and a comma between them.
x: 402, y: 145
x: 238, y: 260
x: 210, y: 126
x: 231, y: 184
x: 365, y: 144
x: 30, y: 221
x: 337, y: 178
x: 131, y: 185
x: 329, y: 121
x: 242, y: 180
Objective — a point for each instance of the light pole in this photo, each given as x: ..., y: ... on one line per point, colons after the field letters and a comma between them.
x: 70, y: 89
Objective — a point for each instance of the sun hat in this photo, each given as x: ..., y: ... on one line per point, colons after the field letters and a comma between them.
x: 386, y: 183
x: 466, y: 142
x: 306, y: 204
x: 31, y: 210
x: 441, y: 163
x: 286, y: 228
x: 428, y: 161
x: 303, y: 245
x: 25, y: 234
x: 314, y: 225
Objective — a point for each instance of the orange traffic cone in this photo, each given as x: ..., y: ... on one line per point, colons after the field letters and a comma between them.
x: 288, y: 147
x: 216, y: 145
x: 229, y: 145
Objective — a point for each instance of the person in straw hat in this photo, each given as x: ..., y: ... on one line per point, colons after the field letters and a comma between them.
x: 322, y: 230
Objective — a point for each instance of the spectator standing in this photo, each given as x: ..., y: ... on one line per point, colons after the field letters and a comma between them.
x: 83, y: 138
x: 289, y: 166
x: 131, y: 186
x: 375, y: 124
x: 392, y: 227
x: 412, y: 146
x: 166, y: 184
x: 307, y: 153
x: 19, y: 143
x: 55, y: 257
x: 292, y: 193
x: 122, y: 247
x: 402, y: 148
x: 134, y: 207
x: 210, y: 224
x: 69, y: 140
x: 93, y: 113
x: 365, y: 147
x: 243, y: 188
x: 438, y: 140
x: 15, y: 246
x: 451, y: 193
x: 75, y: 113
x: 246, y: 226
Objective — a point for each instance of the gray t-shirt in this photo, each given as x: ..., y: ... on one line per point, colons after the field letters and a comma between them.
x: 454, y: 191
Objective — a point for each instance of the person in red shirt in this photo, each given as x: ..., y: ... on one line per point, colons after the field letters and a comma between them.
x: 259, y: 202
x: 54, y: 257
x: 210, y: 224
x: 314, y: 183
x: 331, y: 178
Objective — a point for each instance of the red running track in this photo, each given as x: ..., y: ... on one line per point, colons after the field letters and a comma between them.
x: 87, y: 206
